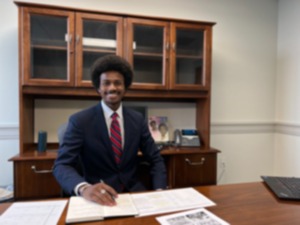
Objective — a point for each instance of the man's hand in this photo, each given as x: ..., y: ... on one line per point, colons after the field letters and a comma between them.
x: 100, y: 193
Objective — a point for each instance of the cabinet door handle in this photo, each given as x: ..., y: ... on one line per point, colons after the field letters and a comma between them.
x: 77, y: 38
x: 68, y: 38
x: 174, y: 46
x: 168, y: 46
x: 40, y: 171
x: 195, y: 163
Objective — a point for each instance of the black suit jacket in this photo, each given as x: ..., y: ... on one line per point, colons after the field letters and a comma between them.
x: 87, y: 140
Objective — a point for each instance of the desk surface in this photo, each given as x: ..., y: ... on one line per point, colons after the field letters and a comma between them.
x: 238, y: 204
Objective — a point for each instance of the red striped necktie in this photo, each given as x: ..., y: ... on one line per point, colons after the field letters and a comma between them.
x: 116, y: 138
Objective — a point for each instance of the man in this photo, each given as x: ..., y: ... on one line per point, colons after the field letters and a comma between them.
x: 107, y: 146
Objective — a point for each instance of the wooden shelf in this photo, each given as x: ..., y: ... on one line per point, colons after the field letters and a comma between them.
x: 130, y: 94
x: 49, y: 47
x: 98, y: 50
x: 148, y: 54
x: 181, y: 56
x: 35, y: 155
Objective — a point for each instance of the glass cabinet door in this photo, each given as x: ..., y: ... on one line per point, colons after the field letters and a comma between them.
x: 96, y: 36
x: 189, y: 56
x: 147, y: 52
x: 47, y: 47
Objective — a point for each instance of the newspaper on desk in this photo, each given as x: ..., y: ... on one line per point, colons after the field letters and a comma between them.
x: 192, y: 217
x: 157, y: 202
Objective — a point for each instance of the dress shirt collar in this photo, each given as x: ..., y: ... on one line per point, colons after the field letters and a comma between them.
x: 108, y: 111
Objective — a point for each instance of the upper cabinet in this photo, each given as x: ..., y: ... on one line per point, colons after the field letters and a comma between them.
x: 168, y: 55
x: 48, y: 50
x: 96, y: 36
x: 147, y: 50
x: 190, y: 56
x: 59, y: 47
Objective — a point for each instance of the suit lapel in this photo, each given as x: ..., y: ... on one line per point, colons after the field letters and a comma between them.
x: 131, y: 136
x: 104, y: 137
x: 128, y: 133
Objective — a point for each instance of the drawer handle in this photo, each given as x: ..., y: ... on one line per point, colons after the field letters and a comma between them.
x: 40, y: 171
x: 195, y: 163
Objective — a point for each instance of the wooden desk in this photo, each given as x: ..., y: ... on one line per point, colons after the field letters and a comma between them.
x: 238, y: 204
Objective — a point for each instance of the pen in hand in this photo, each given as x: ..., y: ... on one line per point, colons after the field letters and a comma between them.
x: 103, y: 191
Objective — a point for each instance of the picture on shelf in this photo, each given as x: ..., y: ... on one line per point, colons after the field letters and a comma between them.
x: 159, y: 129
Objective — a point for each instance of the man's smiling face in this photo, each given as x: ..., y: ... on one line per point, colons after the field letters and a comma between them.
x: 112, y: 88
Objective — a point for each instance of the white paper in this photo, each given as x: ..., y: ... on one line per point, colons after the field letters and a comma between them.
x: 33, y: 213
x: 80, y: 210
x: 193, y: 217
x: 124, y: 207
x: 5, y: 194
x: 98, y: 42
x: 169, y: 201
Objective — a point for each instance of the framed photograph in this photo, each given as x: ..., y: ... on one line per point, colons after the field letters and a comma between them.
x: 159, y: 129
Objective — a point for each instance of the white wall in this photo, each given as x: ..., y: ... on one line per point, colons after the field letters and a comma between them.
x: 9, y: 113
x: 243, y: 84
x: 287, y: 148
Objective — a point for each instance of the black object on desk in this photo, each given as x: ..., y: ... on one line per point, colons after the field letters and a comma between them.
x: 287, y: 188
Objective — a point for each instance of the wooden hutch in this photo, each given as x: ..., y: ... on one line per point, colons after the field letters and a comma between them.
x: 171, y: 60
